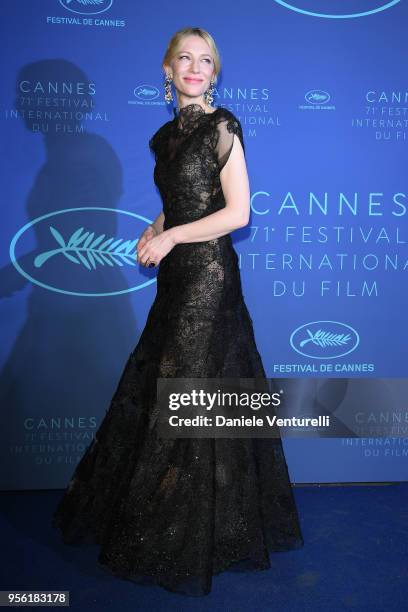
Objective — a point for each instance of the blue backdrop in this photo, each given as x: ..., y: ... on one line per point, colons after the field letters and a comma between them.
x: 319, y: 87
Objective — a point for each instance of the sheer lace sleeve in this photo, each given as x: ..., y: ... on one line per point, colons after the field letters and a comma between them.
x: 226, y: 127
x: 152, y: 145
x: 158, y: 138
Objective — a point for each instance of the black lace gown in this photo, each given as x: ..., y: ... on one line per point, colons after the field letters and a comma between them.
x: 176, y: 512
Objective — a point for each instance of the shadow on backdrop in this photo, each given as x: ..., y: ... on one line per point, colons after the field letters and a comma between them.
x: 71, y: 349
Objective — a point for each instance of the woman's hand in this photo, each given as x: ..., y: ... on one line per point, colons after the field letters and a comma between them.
x: 148, y: 234
x: 156, y: 247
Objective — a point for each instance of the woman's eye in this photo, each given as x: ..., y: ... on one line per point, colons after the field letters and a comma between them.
x: 206, y: 59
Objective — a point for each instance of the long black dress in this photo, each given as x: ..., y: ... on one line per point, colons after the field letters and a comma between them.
x: 175, y: 512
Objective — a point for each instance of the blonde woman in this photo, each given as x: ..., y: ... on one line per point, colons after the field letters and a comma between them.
x: 174, y: 512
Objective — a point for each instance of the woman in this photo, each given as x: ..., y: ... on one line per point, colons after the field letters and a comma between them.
x: 176, y: 512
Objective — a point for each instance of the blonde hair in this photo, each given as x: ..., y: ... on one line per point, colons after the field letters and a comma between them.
x: 177, y: 38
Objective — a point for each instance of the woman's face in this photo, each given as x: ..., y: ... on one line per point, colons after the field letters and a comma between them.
x: 192, y: 67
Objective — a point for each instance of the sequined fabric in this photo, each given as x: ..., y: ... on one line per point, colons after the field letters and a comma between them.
x: 175, y: 512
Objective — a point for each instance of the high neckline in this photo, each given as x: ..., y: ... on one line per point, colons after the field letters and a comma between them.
x: 186, y: 115
x: 194, y: 107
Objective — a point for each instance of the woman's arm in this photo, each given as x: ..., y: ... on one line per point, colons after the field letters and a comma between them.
x: 158, y: 223
x: 235, y: 186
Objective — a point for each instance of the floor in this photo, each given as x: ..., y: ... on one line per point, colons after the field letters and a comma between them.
x: 355, y: 558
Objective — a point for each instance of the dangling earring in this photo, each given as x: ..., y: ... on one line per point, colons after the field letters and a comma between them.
x: 168, y: 96
x: 208, y: 94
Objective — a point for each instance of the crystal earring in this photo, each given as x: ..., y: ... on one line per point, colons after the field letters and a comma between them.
x: 168, y: 96
x: 208, y: 94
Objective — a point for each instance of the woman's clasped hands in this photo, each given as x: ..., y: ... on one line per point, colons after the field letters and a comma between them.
x: 153, y: 246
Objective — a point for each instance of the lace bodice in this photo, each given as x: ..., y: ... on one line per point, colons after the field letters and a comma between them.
x: 190, y: 153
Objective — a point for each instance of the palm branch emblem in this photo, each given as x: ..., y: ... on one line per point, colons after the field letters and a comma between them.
x: 83, y: 248
x: 325, y: 338
x: 86, y: 2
